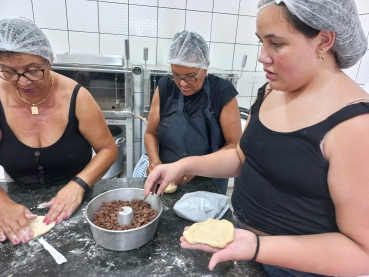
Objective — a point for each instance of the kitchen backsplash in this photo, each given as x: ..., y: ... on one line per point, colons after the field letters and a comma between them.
x: 100, y: 27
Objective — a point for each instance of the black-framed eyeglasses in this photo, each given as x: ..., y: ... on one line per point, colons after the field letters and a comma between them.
x: 32, y: 75
x: 188, y: 80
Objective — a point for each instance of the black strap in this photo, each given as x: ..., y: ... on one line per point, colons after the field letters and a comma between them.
x: 81, y: 183
x: 257, y: 247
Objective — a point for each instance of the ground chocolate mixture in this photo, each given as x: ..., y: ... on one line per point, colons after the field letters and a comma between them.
x: 107, y: 216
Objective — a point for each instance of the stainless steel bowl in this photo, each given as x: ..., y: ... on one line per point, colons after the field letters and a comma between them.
x: 128, y: 239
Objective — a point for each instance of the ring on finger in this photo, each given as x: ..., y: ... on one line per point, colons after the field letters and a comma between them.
x: 185, y: 178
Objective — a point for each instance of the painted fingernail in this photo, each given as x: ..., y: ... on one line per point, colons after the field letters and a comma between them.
x: 48, y: 222
x: 65, y: 216
x: 16, y: 241
x: 25, y: 240
x: 44, y: 220
x: 57, y: 221
x: 30, y: 235
x: 159, y: 194
x: 2, y: 238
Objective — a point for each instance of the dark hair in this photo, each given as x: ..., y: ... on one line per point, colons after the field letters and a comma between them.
x: 297, y: 24
x: 302, y: 27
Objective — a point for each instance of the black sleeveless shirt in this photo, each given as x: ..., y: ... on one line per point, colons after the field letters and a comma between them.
x: 52, y: 165
x: 222, y: 91
x: 282, y: 188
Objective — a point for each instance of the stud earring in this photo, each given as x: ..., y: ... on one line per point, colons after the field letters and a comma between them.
x: 320, y: 56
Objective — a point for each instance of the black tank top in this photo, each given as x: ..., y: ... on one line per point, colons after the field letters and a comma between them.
x: 52, y: 165
x: 222, y: 91
x: 282, y: 188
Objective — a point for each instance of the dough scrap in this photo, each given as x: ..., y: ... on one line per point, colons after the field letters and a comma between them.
x: 216, y: 233
x: 171, y: 188
x: 38, y: 227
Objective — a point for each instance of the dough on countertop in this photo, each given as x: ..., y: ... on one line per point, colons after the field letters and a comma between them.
x: 216, y: 233
x: 171, y: 188
x: 38, y: 227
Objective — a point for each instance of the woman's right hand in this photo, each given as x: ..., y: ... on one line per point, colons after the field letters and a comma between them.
x: 162, y: 174
x: 13, y: 222
x: 151, y: 166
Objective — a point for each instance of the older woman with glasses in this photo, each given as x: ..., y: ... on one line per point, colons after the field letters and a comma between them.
x: 192, y: 113
x: 48, y: 124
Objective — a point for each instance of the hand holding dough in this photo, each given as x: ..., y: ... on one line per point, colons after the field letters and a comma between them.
x: 171, y: 188
x: 216, y: 233
x: 38, y: 227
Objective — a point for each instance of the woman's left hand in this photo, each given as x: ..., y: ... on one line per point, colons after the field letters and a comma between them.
x: 64, y: 203
x: 242, y: 248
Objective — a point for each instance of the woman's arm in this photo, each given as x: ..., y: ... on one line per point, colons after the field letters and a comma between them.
x: 151, y: 133
x: 222, y: 164
x: 230, y: 122
x: 93, y: 127
x: 342, y: 254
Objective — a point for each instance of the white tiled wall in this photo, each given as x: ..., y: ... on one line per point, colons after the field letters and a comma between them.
x: 100, y: 27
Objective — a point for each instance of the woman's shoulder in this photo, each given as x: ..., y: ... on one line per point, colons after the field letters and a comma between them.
x: 66, y: 87
x: 218, y: 82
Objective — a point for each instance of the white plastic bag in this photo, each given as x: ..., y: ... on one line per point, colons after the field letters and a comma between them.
x: 200, y: 205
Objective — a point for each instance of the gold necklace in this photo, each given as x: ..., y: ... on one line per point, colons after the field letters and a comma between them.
x: 34, y: 108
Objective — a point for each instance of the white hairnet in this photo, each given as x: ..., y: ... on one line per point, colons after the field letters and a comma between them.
x: 189, y: 49
x: 21, y: 35
x: 339, y: 16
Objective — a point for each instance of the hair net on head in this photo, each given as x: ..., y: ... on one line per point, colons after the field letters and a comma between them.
x: 339, y: 16
x: 21, y: 35
x: 189, y: 49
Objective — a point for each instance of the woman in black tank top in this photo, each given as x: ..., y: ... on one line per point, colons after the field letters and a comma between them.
x: 301, y: 199
x: 48, y: 127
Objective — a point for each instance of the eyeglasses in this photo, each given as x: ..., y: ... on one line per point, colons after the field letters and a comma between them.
x: 32, y: 75
x: 177, y: 79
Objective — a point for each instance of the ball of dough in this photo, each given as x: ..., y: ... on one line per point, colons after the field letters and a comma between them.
x: 38, y: 227
x: 171, y: 188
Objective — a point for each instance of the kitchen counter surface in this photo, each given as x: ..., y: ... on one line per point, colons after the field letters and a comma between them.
x: 162, y: 256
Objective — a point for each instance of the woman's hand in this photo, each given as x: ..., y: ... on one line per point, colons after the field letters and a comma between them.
x: 185, y: 178
x: 13, y: 222
x: 151, y: 166
x: 243, y: 247
x: 64, y: 203
x: 162, y: 174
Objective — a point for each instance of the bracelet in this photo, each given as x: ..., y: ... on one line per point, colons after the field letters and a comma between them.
x: 257, y: 248
x: 82, y: 183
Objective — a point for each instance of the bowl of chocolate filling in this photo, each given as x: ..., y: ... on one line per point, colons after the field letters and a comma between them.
x: 121, y: 220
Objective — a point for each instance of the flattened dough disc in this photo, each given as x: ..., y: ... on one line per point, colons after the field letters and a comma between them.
x: 38, y: 227
x: 216, y: 233
x: 171, y: 188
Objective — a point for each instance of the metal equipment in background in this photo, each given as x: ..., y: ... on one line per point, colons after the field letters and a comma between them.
x: 110, y: 83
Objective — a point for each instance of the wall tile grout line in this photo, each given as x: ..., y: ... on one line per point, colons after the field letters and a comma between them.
x: 128, y: 13
x: 235, y: 38
x: 184, y: 28
x: 211, y: 25
x: 98, y: 24
x: 358, y: 69
x: 157, y: 33
x: 33, y: 12
x: 66, y: 15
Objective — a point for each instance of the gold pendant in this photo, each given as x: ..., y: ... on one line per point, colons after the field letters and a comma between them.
x: 34, y: 110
